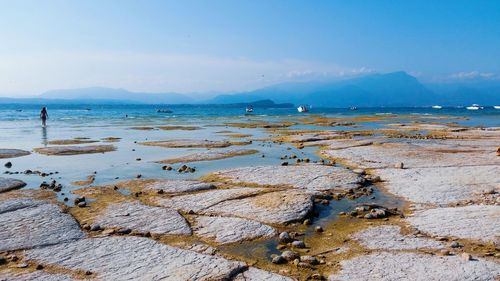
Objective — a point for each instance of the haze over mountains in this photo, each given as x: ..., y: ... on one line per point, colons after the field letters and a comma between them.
x: 375, y: 90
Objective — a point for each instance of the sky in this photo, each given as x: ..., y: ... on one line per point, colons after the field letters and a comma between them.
x: 237, y: 45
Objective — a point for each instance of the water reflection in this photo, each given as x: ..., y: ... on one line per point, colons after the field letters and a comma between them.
x: 44, y: 136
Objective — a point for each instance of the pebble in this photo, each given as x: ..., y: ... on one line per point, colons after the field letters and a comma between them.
x: 284, y: 164
x: 108, y: 231
x: 278, y: 260
x: 2, y: 260
x: 317, y: 276
x: 289, y: 255
x: 298, y: 244
x: 455, y: 244
x: 82, y: 204
x: 318, y: 229
x: 399, y: 165
x: 39, y: 267
x: 444, y: 253
x: 309, y: 259
x: 307, y: 222
x: 284, y: 237
x: 95, y: 227
x: 466, y: 256
x: 8, y: 165
x: 359, y: 171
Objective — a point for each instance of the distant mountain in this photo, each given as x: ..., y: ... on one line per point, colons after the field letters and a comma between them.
x: 116, y: 95
x: 376, y: 90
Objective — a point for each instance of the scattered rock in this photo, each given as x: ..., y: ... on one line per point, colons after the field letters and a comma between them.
x: 298, y: 244
x: 290, y: 255
x: 284, y: 237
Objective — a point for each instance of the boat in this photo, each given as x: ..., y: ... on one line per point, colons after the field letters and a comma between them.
x: 496, y: 106
x: 437, y: 107
x: 474, y: 107
x: 353, y: 108
x: 249, y: 109
x: 164, y: 111
x: 302, y: 108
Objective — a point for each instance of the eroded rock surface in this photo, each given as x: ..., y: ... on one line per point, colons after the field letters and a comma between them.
x: 210, y: 155
x: 186, y: 143
x: 388, y: 237
x: 7, y: 184
x: 477, y: 222
x: 275, y: 207
x: 179, y: 186
x: 203, y: 200
x: 419, y: 267
x: 230, y: 229
x: 137, y: 216
x: 34, y: 276
x: 310, y: 176
x: 74, y: 150
x: 255, y: 274
x: 135, y: 258
x: 28, y: 223
x: 12, y: 153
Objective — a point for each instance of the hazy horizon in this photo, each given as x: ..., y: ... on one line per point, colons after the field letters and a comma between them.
x: 232, y: 46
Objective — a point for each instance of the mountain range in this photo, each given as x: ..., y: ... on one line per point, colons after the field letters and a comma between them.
x: 374, y: 90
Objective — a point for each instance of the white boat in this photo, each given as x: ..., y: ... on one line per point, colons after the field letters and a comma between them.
x: 474, y: 107
x: 437, y: 107
x: 302, y: 108
x: 496, y: 107
x: 249, y: 109
x: 353, y: 108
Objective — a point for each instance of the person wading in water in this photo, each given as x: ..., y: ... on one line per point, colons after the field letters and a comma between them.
x: 44, y: 115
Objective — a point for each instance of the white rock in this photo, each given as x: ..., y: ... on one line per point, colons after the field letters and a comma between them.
x: 179, y: 186
x: 27, y: 223
x: 388, y: 237
x: 477, y: 222
x: 310, y: 176
x: 7, y: 184
x: 137, y: 216
x: 274, y: 207
x: 135, y: 258
x: 418, y: 267
x: 255, y: 274
x: 203, y: 200
x: 230, y: 229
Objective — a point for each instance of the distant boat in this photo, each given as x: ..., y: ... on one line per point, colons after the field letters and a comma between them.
x: 302, y: 108
x: 437, y: 107
x: 249, y: 109
x: 164, y: 111
x: 353, y: 108
x: 474, y: 107
x: 496, y: 107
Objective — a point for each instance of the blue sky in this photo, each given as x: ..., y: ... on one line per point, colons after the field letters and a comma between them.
x: 206, y: 46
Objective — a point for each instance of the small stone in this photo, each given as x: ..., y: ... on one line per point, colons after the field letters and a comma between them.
x: 39, y: 267
x: 139, y: 176
x: 160, y: 191
x: 455, y: 244
x: 284, y: 164
x: 95, y: 227
x: 325, y: 202
x: 3, y: 260
x: 399, y: 166
x: 318, y: 229
x: 444, y: 253
x: 359, y: 171
x: 298, y: 244
x: 281, y: 247
x: 303, y: 265
x: 138, y: 159
x: 82, y: 204
x: 307, y: 222
x: 124, y: 231
x: 317, y: 276
x: 108, y: 231
x: 289, y: 255
x: 284, y: 237
x: 22, y: 265
x: 88, y: 272
x: 8, y: 165
x: 309, y: 259
x: 466, y: 256
x: 278, y: 260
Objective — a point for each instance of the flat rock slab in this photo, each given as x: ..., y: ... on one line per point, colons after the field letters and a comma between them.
x: 34, y: 276
x: 203, y: 200
x: 440, y: 185
x: 7, y: 184
x: 418, y: 267
x: 210, y: 155
x: 74, y: 150
x: 388, y: 237
x: 71, y: 141
x: 186, y: 143
x: 255, y: 274
x: 28, y: 223
x: 477, y: 222
x: 310, y: 176
x: 135, y: 258
x: 12, y: 153
x: 179, y: 186
x: 274, y: 207
x: 137, y: 216
x: 230, y: 229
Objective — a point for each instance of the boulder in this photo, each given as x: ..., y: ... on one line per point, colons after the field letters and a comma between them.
x: 12, y: 153
x: 7, y: 184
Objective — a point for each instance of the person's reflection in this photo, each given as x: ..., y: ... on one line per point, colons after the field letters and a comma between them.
x: 44, y: 136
